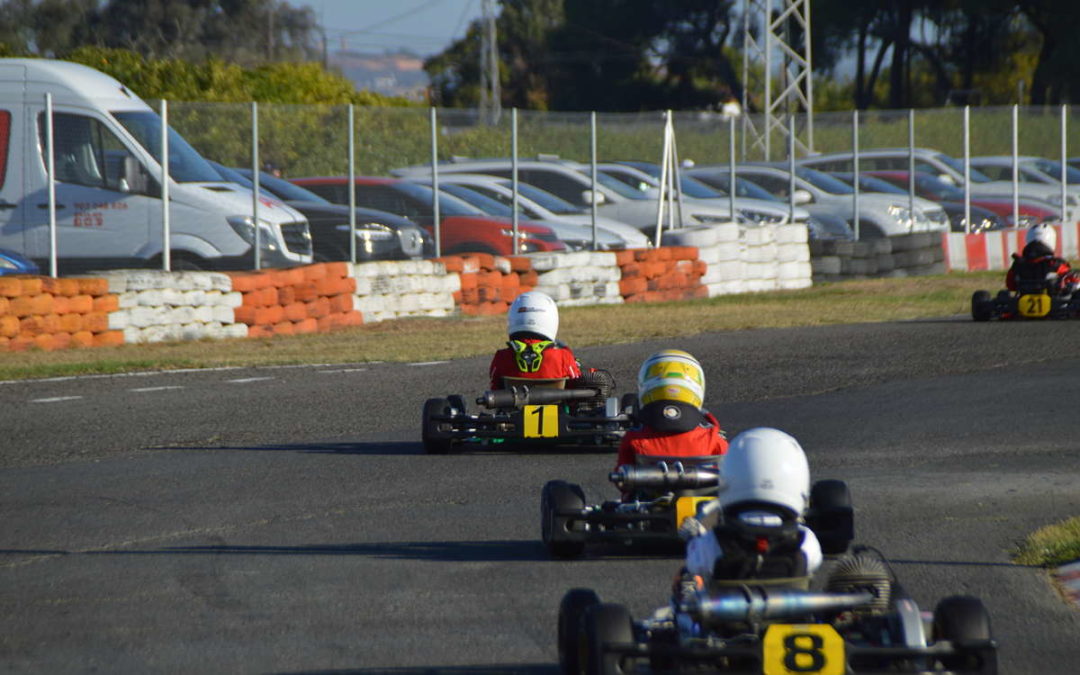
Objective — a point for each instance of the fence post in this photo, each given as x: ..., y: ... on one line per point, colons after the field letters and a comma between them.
x: 352, y: 185
x: 514, y: 170
x: 166, y: 232
x: 435, y: 183
x: 967, y: 169
x: 51, y: 139
x: 255, y: 183
x: 911, y: 168
x: 1015, y: 123
x: 1064, y: 166
x: 592, y: 144
x: 855, y: 170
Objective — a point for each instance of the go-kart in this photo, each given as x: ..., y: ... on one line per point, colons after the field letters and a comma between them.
x: 529, y: 412
x: 1036, y: 298
x: 861, y: 622
x: 663, y: 494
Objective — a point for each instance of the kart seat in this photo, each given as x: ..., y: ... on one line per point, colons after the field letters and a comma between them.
x: 766, y: 554
x: 546, y: 382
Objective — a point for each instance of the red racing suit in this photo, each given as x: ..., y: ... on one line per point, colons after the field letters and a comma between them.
x: 704, y: 439
x: 533, y: 358
x: 1036, y: 262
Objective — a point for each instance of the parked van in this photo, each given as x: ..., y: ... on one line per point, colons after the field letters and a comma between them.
x: 108, y: 190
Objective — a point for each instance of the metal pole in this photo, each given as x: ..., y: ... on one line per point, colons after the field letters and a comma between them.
x: 50, y: 138
x: 435, y: 183
x: 855, y: 170
x: 1064, y: 164
x: 967, y: 169
x: 255, y: 181
x: 352, y: 185
x: 809, y: 87
x: 592, y: 132
x: 1016, y: 165
x: 731, y: 165
x: 665, y: 166
x: 911, y: 168
x: 791, y: 168
x: 166, y: 233
x: 514, y: 179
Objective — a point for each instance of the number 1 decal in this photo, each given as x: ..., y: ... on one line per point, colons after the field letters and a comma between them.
x: 541, y: 421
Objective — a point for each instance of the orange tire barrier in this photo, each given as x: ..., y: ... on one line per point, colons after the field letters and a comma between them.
x: 43, y: 313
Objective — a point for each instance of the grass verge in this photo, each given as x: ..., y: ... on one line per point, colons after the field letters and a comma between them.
x: 411, y: 340
x: 1052, y: 545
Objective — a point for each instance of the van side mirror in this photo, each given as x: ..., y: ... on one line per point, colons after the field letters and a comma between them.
x: 590, y: 197
x: 801, y: 196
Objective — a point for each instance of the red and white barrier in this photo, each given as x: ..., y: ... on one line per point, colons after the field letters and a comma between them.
x: 993, y: 250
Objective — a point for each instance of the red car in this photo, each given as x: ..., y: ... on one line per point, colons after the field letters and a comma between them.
x: 465, y: 228
x: 932, y: 188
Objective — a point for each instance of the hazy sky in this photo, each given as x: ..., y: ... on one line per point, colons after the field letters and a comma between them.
x: 425, y: 27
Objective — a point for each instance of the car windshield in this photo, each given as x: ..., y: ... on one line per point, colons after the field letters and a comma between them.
x: 1053, y: 169
x: 283, y: 188
x: 691, y: 187
x: 483, y: 202
x: 185, y: 164
x: 743, y: 187
x: 823, y: 181
x: 449, y: 205
x: 958, y: 166
x: 925, y: 182
x: 617, y: 186
x: 545, y: 199
x: 869, y: 183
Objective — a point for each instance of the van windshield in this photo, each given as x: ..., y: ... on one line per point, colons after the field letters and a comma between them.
x: 185, y: 164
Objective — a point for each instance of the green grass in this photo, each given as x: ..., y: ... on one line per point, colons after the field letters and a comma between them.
x: 408, y: 340
x: 1052, y: 545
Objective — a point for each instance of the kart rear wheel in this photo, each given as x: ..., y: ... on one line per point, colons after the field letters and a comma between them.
x: 830, y: 515
x: 606, y: 624
x: 434, y: 434
x: 960, y: 619
x: 982, y: 307
x: 572, y: 609
x: 559, y: 496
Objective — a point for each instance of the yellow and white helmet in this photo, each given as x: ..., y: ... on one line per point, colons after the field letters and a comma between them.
x: 671, y: 375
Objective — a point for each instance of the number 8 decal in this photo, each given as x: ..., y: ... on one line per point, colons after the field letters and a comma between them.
x: 804, y: 648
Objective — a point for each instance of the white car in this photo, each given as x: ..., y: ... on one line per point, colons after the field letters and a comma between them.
x: 572, y: 181
x: 1032, y: 171
x: 543, y: 207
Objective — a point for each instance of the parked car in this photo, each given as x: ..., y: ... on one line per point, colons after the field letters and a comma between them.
x: 379, y: 235
x: 464, y: 228
x: 1032, y: 211
x: 13, y: 262
x: 575, y: 237
x: 572, y: 181
x: 879, y: 215
x: 946, y: 168
x: 1032, y: 170
x: 542, y: 206
x: 981, y: 219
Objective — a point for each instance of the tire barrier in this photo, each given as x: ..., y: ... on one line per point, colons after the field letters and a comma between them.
x: 157, y: 306
x: 47, y: 314
x: 579, y: 278
x: 313, y: 299
x: 662, y: 274
x: 993, y: 250
x: 915, y: 254
x: 385, y: 290
x: 743, y: 259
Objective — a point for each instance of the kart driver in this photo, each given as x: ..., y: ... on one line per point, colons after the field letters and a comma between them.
x: 754, y: 528
x: 671, y: 390
x: 533, y: 351
x: 1038, y: 262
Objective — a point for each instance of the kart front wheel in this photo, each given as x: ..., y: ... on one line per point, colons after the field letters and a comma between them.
x: 560, y: 497
x: 433, y: 432
x: 572, y: 609
x: 963, y: 619
x: 982, y: 307
x: 607, y: 624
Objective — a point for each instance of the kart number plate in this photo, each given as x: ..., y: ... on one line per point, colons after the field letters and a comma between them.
x: 803, y: 648
x: 1034, y: 306
x: 541, y: 421
x: 686, y: 507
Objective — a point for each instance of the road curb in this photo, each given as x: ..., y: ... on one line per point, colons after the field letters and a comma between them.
x: 1069, y: 578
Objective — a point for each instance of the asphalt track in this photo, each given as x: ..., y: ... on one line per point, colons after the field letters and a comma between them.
x: 285, y: 520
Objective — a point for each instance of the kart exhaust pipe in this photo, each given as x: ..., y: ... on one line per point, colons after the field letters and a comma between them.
x: 516, y: 397
x: 758, y: 603
x: 665, y: 477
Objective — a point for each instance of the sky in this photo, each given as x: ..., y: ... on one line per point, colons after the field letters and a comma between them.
x: 424, y: 27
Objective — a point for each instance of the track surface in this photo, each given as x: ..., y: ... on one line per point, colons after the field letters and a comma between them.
x: 285, y: 519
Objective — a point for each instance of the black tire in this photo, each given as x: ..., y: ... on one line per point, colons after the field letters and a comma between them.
x: 870, y: 231
x: 629, y: 404
x: 982, y: 307
x: 606, y: 624
x: 433, y: 433
x: 831, y: 515
x: 963, y: 619
x: 572, y: 609
x: 559, y: 496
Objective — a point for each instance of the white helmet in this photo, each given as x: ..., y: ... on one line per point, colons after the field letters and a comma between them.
x: 766, y: 465
x: 1044, y: 234
x: 533, y: 312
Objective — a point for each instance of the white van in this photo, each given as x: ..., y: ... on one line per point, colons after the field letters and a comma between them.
x: 108, y: 191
